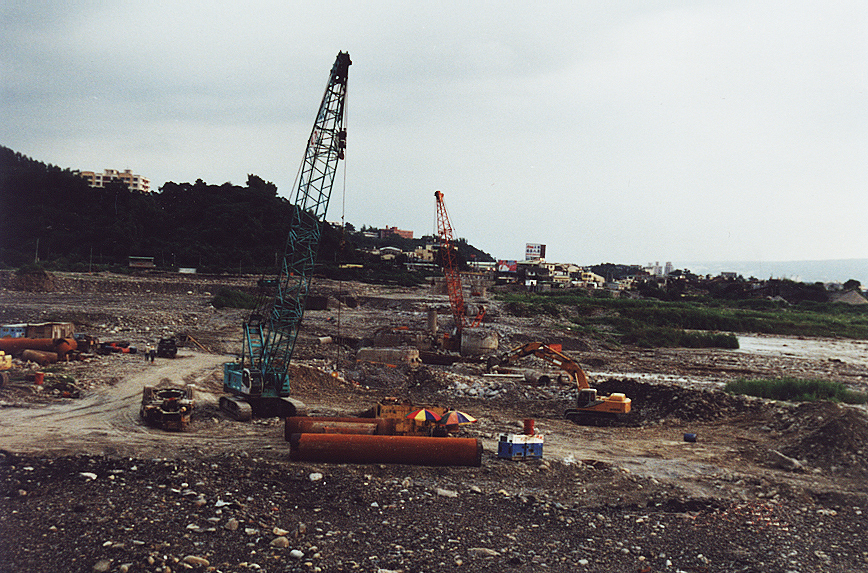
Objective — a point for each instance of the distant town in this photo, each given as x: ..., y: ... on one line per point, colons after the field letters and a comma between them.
x: 535, y: 273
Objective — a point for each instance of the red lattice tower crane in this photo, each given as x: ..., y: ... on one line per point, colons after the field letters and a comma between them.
x: 450, y: 270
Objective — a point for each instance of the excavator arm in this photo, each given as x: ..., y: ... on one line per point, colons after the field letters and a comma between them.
x: 550, y: 355
x: 591, y: 409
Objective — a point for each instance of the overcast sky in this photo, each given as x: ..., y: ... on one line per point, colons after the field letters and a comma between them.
x: 611, y: 131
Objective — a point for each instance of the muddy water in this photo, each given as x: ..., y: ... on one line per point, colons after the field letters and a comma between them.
x: 851, y: 351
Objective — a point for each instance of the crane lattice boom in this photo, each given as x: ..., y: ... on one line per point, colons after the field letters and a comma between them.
x: 271, y: 330
x: 450, y: 269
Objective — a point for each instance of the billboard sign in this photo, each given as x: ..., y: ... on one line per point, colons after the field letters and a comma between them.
x: 534, y: 251
x: 507, y: 266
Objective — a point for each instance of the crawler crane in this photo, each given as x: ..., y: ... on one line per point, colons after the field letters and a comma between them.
x: 453, y: 278
x: 259, y: 381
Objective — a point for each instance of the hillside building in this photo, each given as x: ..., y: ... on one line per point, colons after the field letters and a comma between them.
x: 131, y: 180
x: 389, y: 231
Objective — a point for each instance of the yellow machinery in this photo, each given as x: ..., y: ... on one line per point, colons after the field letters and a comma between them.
x: 589, y: 405
x: 396, y: 412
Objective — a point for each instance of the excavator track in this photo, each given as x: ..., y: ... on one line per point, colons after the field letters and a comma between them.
x: 599, y: 419
x: 238, y: 409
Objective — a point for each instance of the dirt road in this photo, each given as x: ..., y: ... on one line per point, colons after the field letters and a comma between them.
x: 107, y: 421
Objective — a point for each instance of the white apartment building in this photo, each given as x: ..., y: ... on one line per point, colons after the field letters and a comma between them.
x: 131, y: 180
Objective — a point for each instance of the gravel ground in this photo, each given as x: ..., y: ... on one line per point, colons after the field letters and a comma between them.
x: 767, y: 487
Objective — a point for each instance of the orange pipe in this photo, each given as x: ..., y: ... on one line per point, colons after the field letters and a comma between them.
x: 41, y: 357
x: 363, y: 449
x: 59, y: 345
x: 326, y: 425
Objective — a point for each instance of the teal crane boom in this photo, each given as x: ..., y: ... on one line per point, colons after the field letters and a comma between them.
x: 259, y: 382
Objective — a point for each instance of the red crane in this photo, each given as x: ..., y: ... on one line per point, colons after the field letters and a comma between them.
x: 450, y: 270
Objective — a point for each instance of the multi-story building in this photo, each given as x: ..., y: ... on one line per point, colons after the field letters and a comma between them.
x: 389, y: 231
x: 131, y: 180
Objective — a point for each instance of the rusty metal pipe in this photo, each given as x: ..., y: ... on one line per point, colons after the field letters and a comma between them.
x: 327, y: 425
x: 537, y: 378
x: 362, y: 449
x: 15, y: 346
x: 40, y: 357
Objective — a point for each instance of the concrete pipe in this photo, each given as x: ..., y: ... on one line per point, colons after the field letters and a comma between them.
x: 537, y: 378
x: 325, y: 425
x: 478, y: 342
x: 432, y: 320
x: 362, y: 449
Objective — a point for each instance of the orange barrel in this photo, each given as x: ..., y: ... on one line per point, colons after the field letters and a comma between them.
x: 363, y: 449
x: 528, y: 427
x: 38, y: 378
x: 322, y: 425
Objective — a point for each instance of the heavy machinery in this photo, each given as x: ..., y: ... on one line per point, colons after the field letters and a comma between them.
x: 169, y: 408
x: 259, y: 383
x: 453, y: 279
x: 590, y: 409
x: 167, y: 348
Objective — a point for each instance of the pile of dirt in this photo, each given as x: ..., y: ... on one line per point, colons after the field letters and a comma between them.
x: 29, y: 280
x: 829, y: 436
x: 655, y: 402
x: 233, y: 513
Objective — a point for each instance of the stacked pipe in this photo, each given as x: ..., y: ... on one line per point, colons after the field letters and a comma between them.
x: 325, y: 425
x: 40, y: 350
x: 366, y: 441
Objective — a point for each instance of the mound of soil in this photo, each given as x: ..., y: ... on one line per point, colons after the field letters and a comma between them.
x: 34, y: 280
x: 829, y: 436
x: 655, y: 402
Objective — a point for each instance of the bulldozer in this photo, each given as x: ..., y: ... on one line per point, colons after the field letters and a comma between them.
x: 591, y: 409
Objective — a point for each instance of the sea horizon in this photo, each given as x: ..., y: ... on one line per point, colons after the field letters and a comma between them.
x: 813, y: 271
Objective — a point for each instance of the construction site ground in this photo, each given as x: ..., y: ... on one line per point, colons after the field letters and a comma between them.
x: 85, y: 485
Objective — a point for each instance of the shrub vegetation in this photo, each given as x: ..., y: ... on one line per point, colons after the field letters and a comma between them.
x: 796, y: 390
x: 694, y: 323
x: 231, y: 298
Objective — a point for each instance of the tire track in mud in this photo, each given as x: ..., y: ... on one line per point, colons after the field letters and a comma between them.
x: 107, y: 421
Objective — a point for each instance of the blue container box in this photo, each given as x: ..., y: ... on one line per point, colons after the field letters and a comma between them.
x: 520, y: 447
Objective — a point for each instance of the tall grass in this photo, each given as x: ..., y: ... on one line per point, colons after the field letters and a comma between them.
x: 227, y: 297
x: 765, y: 317
x: 796, y: 390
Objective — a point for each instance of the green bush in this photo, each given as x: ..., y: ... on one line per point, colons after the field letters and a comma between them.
x: 533, y: 308
x: 227, y: 297
x: 796, y: 390
x: 755, y: 316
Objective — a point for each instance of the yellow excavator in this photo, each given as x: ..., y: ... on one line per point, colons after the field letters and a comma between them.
x: 590, y: 409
